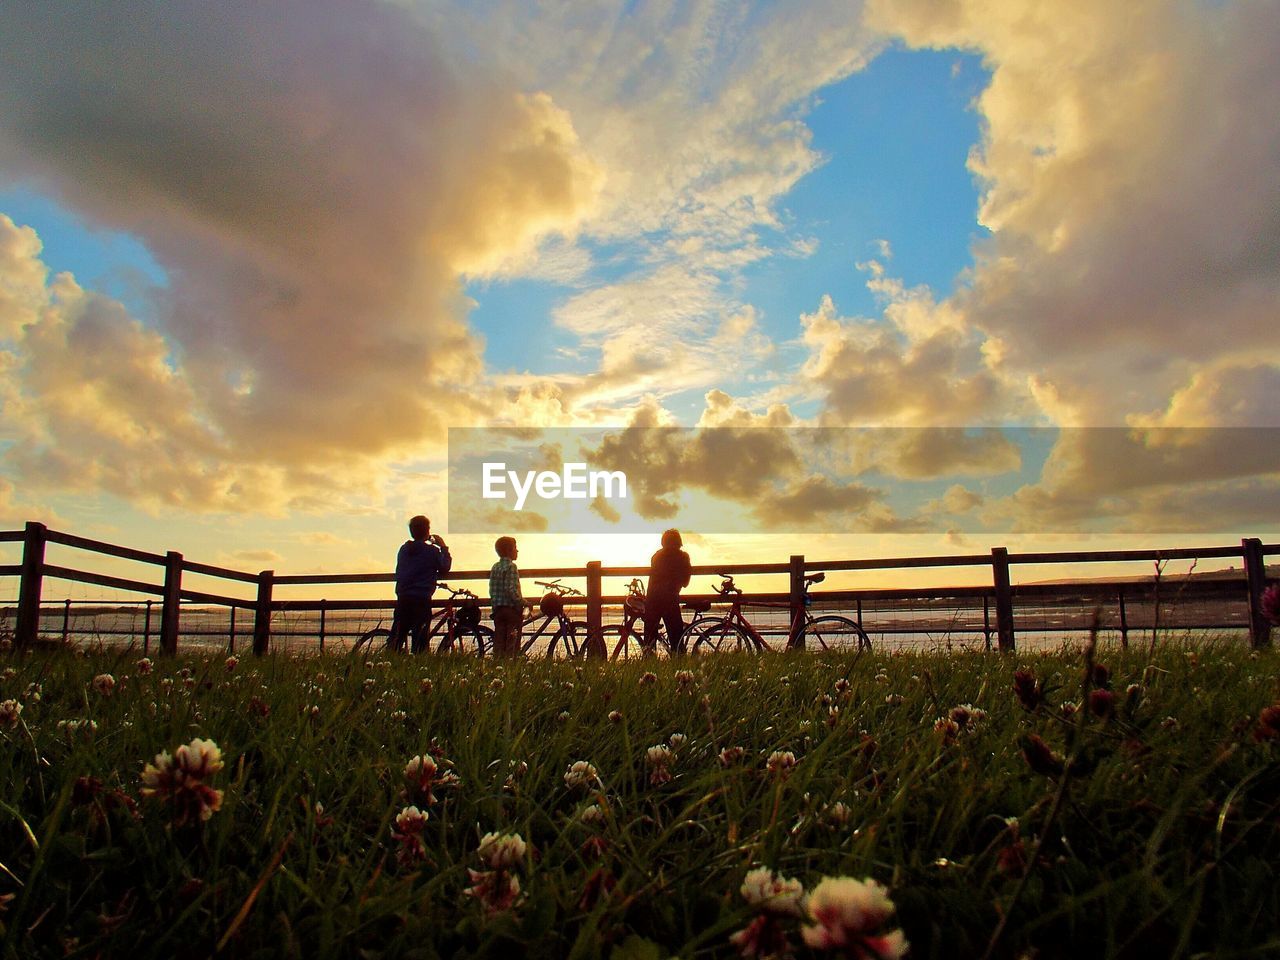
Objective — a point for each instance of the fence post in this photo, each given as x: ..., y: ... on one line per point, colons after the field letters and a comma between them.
x: 262, y: 613
x: 66, y: 621
x: 1004, y: 599
x: 146, y: 631
x: 595, y: 612
x: 171, y: 610
x: 27, y: 629
x: 1255, y: 569
x: 795, y: 639
x: 231, y: 633
x: 323, y: 607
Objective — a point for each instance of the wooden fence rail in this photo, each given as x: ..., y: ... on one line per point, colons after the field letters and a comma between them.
x: 999, y: 596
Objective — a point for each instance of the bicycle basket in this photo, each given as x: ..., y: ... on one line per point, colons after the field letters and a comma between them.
x: 551, y: 605
x: 469, y: 614
x: 635, y: 605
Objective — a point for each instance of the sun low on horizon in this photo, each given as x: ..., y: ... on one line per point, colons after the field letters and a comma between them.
x: 874, y: 279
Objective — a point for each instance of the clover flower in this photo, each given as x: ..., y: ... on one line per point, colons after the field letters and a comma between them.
x: 967, y: 716
x: 10, y: 712
x: 677, y: 740
x: 423, y: 776
x: 580, y: 775
x: 409, y: 825
x: 773, y: 893
x: 144, y: 666
x: 780, y: 763
x: 72, y: 728
x: 1040, y: 757
x: 659, y: 757
x: 497, y: 888
x: 502, y: 851
x: 182, y: 780
x: 1028, y: 690
x: 731, y: 755
x: 648, y: 677
x: 231, y: 663
x: 848, y: 915
x: 1102, y: 703
x: 425, y: 687
x: 615, y: 716
x: 775, y: 898
x: 948, y: 728
x: 592, y: 816
x: 684, y: 679
x: 104, y: 683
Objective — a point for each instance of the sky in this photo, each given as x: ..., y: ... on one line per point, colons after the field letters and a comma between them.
x: 257, y: 260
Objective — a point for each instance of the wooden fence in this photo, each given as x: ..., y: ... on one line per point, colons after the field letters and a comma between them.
x: 997, y: 599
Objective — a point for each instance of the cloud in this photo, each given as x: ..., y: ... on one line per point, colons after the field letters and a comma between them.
x: 1127, y: 168
x: 868, y: 373
x: 314, y: 179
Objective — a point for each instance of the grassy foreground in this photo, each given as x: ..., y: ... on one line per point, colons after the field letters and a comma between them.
x: 1143, y: 823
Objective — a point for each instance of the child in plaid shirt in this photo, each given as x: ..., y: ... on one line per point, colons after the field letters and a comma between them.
x: 506, y: 599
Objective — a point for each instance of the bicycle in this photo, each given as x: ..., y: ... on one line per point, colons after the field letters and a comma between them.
x: 714, y: 633
x: 630, y: 641
x: 551, y: 607
x: 457, y: 625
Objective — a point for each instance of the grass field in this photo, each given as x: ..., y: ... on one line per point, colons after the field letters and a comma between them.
x: 661, y: 809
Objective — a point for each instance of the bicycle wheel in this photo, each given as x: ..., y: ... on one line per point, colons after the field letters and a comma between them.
x: 370, y: 641
x: 720, y: 636
x: 476, y: 642
x: 626, y: 644
x: 834, y: 633
x: 564, y: 642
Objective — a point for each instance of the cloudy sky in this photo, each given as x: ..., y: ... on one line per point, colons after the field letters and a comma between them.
x: 256, y: 260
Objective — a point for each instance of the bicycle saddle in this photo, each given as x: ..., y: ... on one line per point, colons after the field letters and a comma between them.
x: 698, y: 606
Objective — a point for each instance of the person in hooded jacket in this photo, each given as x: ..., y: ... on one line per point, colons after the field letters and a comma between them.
x: 669, y: 573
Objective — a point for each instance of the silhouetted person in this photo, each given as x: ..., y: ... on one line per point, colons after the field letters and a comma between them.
x: 419, y: 564
x: 505, y: 599
x: 669, y: 573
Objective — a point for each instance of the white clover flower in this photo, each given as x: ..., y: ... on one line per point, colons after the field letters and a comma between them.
x: 181, y: 780
x: 411, y: 820
x: 615, y: 716
x: 144, y: 666
x: 580, y: 775
x: 231, y: 663
x: 502, y: 851
x: 659, y: 755
x: 677, y: 740
x: 847, y: 914
x: 780, y: 763
x: 773, y: 893
x: 731, y: 755
x: 10, y: 712
x: 647, y: 678
x: 104, y: 683
x: 593, y: 816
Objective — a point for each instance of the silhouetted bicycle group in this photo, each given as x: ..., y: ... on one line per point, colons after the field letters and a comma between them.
x: 548, y: 629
